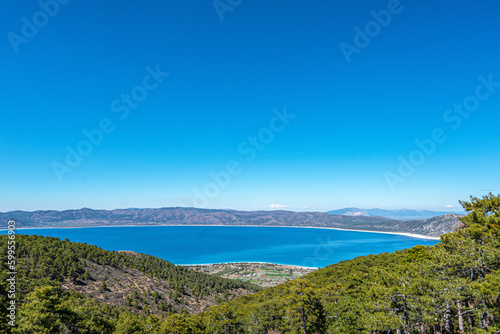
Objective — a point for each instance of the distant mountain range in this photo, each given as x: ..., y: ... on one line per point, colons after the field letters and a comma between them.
x: 191, y: 216
x: 403, y: 214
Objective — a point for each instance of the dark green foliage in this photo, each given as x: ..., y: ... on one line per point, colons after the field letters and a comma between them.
x: 453, y: 287
x: 449, y: 288
x: 54, y: 259
x: 44, y: 263
x: 51, y: 310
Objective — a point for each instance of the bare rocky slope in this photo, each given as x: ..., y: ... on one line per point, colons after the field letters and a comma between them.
x: 122, y: 284
x: 432, y: 227
x: 138, y: 282
x: 191, y: 216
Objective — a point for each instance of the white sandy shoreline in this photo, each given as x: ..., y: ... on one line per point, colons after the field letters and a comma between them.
x: 411, y: 235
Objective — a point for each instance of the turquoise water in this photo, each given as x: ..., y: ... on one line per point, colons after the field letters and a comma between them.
x: 310, y: 247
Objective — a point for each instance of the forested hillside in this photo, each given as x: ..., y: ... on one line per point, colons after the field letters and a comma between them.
x: 78, y: 278
x: 453, y: 287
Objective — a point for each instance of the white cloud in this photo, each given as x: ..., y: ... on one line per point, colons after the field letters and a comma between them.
x: 277, y: 206
x: 448, y: 206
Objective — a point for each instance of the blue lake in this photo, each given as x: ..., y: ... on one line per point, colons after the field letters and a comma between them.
x: 310, y: 247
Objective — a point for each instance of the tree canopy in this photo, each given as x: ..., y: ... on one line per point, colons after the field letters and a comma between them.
x: 452, y: 287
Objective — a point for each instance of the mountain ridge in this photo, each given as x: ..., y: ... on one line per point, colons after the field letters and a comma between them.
x: 399, y: 214
x: 86, y: 217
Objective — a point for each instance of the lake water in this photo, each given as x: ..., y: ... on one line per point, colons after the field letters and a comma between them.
x: 309, y: 247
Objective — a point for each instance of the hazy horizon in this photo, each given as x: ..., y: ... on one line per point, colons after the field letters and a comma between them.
x: 264, y: 209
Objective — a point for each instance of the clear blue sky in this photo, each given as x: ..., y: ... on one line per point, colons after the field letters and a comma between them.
x: 65, y: 72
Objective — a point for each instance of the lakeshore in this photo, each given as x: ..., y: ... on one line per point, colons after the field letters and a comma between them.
x: 411, y: 235
x: 209, y: 244
x: 259, y: 273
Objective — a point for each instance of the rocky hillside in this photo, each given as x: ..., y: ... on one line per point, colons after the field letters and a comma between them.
x: 133, y: 289
x: 432, y: 227
x: 437, y: 225
x: 137, y: 282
